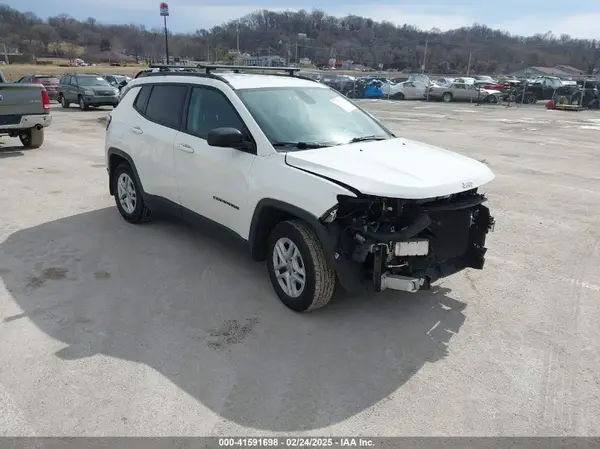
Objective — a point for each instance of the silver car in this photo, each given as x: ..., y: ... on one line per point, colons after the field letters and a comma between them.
x: 463, y: 92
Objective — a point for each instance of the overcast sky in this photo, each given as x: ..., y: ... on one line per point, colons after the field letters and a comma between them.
x: 578, y: 19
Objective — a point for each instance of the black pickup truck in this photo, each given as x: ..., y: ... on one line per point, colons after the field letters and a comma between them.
x: 24, y: 111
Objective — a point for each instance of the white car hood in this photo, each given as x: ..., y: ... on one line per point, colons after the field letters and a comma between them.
x: 397, y: 168
x: 491, y: 91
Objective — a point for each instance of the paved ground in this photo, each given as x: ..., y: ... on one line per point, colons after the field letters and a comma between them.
x: 112, y: 329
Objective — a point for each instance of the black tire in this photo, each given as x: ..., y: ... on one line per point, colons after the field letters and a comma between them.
x: 530, y: 100
x: 82, y: 104
x: 447, y: 97
x: 492, y: 99
x: 141, y: 212
x: 32, y: 138
x: 63, y: 102
x: 319, y: 278
x: 398, y: 96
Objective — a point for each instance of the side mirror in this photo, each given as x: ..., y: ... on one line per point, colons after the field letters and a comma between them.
x: 227, y: 138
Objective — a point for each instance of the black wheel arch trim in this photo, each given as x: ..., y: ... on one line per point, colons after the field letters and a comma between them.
x: 117, y: 152
x: 253, y: 236
x: 348, y: 272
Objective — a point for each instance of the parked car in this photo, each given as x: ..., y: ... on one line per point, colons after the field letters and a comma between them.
x: 24, y: 111
x: 313, y: 184
x: 543, y: 87
x: 463, y: 92
x: 364, y: 87
x: 87, y: 90
x: 50, y: 82
x: 116, y: 80
x: 408, y: 90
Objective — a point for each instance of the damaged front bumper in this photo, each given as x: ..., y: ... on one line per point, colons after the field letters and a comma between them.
x: 442, y: 238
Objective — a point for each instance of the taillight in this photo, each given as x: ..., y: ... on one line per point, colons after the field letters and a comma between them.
x: 45, y: 100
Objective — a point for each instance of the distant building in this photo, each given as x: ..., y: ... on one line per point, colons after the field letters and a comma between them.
x: 572, y: 70
x: 560, y: 71
x: 263, y: 61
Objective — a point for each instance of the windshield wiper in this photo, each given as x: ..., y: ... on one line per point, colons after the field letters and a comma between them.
x: 300, y: 145
x: 366, y: 138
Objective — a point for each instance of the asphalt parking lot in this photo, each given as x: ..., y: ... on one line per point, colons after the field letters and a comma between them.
x: 112, y: 329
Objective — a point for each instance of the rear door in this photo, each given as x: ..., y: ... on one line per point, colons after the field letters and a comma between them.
x: 410, y: 90
x: 65, y: 85
x: 73, y: 90
x: 150, y: 135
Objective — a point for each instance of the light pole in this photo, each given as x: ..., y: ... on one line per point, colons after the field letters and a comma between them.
x: 164, y: 12
x: 300, y: 36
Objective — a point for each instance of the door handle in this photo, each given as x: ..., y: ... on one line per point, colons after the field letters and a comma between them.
x: 137, y: 130
x: 185, y: 147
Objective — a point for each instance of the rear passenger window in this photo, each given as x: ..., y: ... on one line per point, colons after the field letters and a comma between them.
x: 210, y: 109
x: 165, y: 105
x: 142, y: 99
x: 65, y: 80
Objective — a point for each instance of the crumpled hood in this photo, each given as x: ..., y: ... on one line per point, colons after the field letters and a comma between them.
x: 398, y: 168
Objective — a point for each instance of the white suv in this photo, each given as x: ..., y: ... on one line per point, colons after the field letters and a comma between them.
x: 315, y: 185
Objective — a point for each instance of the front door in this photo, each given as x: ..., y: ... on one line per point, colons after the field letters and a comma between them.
x: 212, y: 181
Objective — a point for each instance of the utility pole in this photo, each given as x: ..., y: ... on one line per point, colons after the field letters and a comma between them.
x: 424, y: 57
x: 237, y: 32
x: 296, y: 58
x: 469, y: 63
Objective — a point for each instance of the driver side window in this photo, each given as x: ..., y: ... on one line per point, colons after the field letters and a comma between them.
x: 210, y: 109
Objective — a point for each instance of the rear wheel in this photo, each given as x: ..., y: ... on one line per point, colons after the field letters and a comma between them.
x: 492, y: 99
x: 128, y: 195
x: 398, y: 96
x: 297, y: 267
x: 530, y: 100
x: 32, y: 138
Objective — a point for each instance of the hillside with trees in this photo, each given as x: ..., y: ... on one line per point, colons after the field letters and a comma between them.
x: 321, y: 37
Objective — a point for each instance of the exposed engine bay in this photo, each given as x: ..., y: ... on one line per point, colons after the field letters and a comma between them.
x: 407, y: 244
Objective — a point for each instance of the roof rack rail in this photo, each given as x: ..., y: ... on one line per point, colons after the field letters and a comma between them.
x: 238, y: 68
x: 171, y: 66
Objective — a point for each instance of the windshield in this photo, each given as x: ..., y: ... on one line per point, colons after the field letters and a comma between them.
x: 92, y: 81
x: 315, y: 116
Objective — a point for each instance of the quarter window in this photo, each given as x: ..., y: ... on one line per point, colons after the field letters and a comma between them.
x: 142, y: 99
x: 166, y: 103
x: 210, y: 109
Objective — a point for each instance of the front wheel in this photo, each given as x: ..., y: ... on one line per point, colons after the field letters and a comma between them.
x: 492, y: 99
x: 63, y: 102
x: 297, y: 267
x: 82, y: 104
x: 447, y: 97
x: 32, y: 138
x: 398, y: 96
